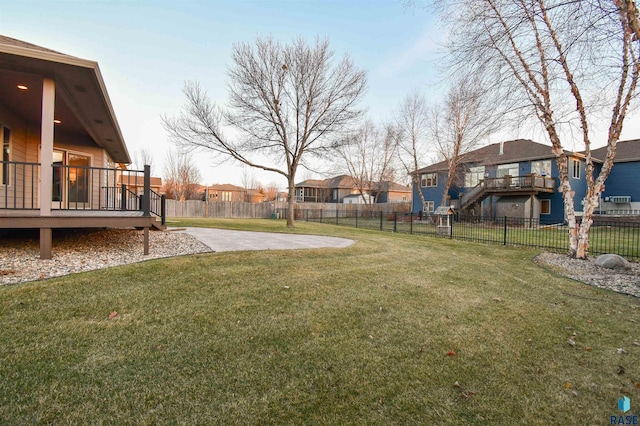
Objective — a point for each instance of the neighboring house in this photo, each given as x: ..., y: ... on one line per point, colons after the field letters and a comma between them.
x: 136, y: 183
x: 335, y: 189
x: 282, y: 197
x: 254, y: 196
x: 621, y: 195
x: 60, y: 146
x: 515, y: 178
x: 391, y: 192
x: 364, y: 198
x: 224, y: 192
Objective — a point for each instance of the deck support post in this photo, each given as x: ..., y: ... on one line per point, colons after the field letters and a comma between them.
x: 45, y: 243
x: 146, y: 240
x: 46, y: 162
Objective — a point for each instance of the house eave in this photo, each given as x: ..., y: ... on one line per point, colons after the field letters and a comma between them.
x: 80, y: 84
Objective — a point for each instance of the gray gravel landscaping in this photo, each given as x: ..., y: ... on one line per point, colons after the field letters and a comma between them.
x: 625, y: 281
x: 88, y: 250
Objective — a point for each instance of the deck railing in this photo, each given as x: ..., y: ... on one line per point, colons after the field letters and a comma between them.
x: 79, y: 188
x: 19, y: 185
x: 505, y: 184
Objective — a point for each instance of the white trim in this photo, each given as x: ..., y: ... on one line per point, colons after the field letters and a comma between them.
x: 541, y: 209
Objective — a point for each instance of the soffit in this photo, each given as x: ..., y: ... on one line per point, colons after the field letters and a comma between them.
x: 82, y: 103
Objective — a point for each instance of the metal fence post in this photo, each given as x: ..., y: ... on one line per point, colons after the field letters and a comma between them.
x: 395, y: 221
x: 337, y: 215
x: 320, y: 215
x: 451, y: 227
x: 504, y: 242
x: 381, y: 220
x: 410, y: 222
x: 356, y: 218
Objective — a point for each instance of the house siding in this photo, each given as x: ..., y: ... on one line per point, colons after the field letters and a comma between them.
x: 22, y: 191
x: 489, y: 204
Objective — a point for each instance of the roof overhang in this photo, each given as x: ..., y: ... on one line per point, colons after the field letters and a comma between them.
x: 82, y: 103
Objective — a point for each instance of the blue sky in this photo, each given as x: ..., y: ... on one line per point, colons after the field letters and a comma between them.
x: 147, y: 49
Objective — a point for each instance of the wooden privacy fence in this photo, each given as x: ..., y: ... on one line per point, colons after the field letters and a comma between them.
x: 195, y: 208
x: 224, y: 209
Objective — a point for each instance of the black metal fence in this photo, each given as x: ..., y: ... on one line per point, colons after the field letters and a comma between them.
x: 605, y: 236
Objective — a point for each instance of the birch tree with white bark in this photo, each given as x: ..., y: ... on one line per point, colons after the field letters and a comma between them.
x: 569, y: 64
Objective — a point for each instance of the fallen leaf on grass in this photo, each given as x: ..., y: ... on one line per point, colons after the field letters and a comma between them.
x: 620, y: 351
x: 588, y: 349
x: 497, y: 299
x: 451, y: 353
x: 112, y: 315
x: 568, y: 385
x: 286, y: 287
x: 456, y: 384
x: 571, y: 342
x: 574, y: 393
x: 467, y: 394
x: 621, y: 370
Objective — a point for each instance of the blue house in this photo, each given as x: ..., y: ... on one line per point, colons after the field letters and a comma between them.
x: 517, y: 178
x: 621, y: 195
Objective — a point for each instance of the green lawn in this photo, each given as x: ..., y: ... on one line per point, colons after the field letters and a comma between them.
x: 621, y: 240
x: 362, y: 335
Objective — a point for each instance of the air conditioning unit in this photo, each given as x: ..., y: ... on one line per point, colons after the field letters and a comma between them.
x: 620, y: 199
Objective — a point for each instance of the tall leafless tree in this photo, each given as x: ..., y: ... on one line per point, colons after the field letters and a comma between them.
x: 460, y: 123
x: 562, y: 62
x: 412, y: 120
x: 143, y: 157
x: 368, y: 157
x: 181, y: 176
x: 287, y: 102
x: 249, y: 183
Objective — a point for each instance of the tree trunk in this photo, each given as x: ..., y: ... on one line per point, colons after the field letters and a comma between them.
x: 590, y: 204
x: 291, y: 202
x: 416, y: 181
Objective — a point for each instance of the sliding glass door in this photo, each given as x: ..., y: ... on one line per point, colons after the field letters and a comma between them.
x: 70, y: 180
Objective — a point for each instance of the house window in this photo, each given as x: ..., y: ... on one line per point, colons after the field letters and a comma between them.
x: 429, y: 180
x: 575, y: 169
x: 430, y: 205
x: 541, y: 167
x: 545, y: 206
x: 6, y: 151
x: 227, y: 195
x: 507, y: 170
x: 473, y: 176
x: 335, y: 195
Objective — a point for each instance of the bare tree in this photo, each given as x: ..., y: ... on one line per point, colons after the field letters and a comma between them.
x: 271, y: 191
x: 181, y: 177
x: 413, y: 126
x: 143, y: 157
x: 286, y: 101
x: 564, y: 61
x: 368, y: 156
x: 460, y: 124
x: 249, y: 183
